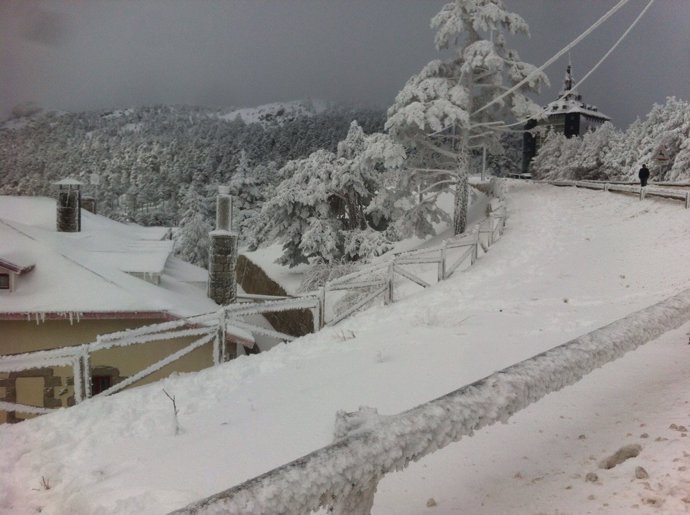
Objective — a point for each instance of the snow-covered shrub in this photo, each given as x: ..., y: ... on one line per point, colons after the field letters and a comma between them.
x: 363, y: 244
x: 320, y: 273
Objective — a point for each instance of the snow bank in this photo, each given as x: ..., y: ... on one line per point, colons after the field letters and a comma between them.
x: 357, y: 462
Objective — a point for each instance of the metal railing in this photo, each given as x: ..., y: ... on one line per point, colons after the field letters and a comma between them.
x: 643, y: 192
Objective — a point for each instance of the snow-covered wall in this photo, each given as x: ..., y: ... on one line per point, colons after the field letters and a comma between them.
x: 349, y: 469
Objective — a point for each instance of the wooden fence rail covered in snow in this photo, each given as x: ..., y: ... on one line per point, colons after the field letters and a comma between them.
x: 343, y: 476
x: 662, y: 191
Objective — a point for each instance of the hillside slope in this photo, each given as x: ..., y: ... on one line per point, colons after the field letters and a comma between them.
x: 570, y: 261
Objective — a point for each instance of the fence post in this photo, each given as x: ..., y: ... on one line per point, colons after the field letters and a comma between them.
x: 316, y: 313
x: 642, y: 193
x: 388, y: 298
x: 219, y: 355
x: 687, y: 199
x: 606, y: 187
x: 475, y: 249
x: 86, y: 371
x: 78, y: 380
x: 491, y: 230
x: 358, y: 501
x: 322, y: 307
x: 358, y: 498
x: 442, y: 262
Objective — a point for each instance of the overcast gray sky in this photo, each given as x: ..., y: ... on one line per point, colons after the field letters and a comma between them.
x: 86, y: 54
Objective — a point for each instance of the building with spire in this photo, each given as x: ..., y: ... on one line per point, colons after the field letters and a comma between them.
x: 567, y: 115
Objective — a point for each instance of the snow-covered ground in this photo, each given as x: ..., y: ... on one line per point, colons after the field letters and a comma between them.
x: 570, y: 261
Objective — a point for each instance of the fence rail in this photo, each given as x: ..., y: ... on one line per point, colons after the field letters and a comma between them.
x: 378, y: 280
x: 202, y: 329
x: 644, y: 192
x: 343, y: 476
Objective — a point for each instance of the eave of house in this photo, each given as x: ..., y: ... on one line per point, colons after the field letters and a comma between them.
x: 15, y: 268
x: 232, y: 334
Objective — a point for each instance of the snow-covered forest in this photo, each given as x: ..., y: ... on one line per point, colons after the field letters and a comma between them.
x: 155, y: 162
x: 612, y: 153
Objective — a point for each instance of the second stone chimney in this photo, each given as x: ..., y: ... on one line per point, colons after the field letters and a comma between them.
x: 222, y: 285
x: 69, y: 205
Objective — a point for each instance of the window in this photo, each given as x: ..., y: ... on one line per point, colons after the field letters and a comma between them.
x: 4, y: 281
x: 100, y: 383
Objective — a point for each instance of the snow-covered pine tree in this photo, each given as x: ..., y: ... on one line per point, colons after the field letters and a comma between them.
x: 437, y: 114
x: 668, y: 132
x: 547, y: 160
x: 321, y: 209
x: 192, y: 239
x: 596, y: 145
x: 681, y: 163
x: 245, y: 190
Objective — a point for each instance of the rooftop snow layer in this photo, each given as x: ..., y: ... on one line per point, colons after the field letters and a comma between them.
x: 565, y: 106
x: 84, y: 272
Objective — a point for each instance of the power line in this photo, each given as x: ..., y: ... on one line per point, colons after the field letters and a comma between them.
x: 639, y: 16
x: 594, y: 68
x: 553, y: 59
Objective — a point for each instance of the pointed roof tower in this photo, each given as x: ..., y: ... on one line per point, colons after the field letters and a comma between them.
x: 570, y: 101
x: 568, y: 92
x: 567, y: 115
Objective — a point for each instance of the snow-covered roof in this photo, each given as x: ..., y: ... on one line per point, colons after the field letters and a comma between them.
x: 572, y: 105
x: 16, y: 265
x: 570, y: 101
x: 86, y: 272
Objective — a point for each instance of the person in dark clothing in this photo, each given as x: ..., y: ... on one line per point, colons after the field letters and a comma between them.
x: 643, y: 175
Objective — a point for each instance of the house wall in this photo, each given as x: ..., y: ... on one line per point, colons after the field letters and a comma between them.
x: 253, y: 279
x: 54, y: 387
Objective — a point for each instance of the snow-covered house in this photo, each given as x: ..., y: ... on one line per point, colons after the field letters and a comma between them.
x: 62, y: 289
x: 567, y: 115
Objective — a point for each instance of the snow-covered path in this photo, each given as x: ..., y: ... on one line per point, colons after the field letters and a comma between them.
x: 569, y: 262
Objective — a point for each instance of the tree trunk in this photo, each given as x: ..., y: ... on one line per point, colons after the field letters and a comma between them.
x: 462, y: 191
x: 353, y: 212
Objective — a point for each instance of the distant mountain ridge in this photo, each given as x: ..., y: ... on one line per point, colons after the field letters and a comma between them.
x: 277, y: 111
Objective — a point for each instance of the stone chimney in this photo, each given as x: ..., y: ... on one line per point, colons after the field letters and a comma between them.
x: 69, y: 205
x: 222, y: 285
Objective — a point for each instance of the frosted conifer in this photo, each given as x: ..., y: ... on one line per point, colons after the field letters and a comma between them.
x: 435, y: 113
